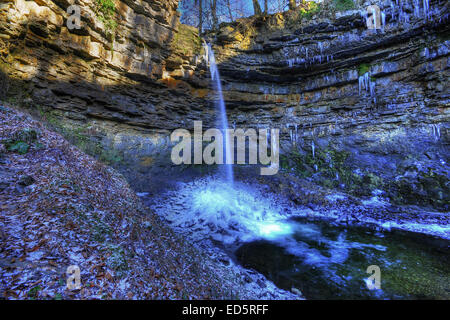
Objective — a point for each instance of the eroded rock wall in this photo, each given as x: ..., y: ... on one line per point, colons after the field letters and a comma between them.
x: 378, y: 93
x: 113, y: 86
x: 321, y: 78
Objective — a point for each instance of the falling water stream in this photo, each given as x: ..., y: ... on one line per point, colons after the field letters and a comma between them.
x: 223, y: 120
x: 325, y: 260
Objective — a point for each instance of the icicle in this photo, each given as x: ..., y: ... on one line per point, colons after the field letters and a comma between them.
x: 367, y: 84
x: 436, y: 132
x: 372, y: 91
x: 266, y: 93
x: 291, y: 63
x: 365, y: 15
x: 426, y: 9
x: 361, y: 84
x: 295, y: 133
x: 320, y: 45
x: 416, y: 8
x: 364, y: 82
x: 313, y: 149
x: 207, y: 55
x: 374, y: 16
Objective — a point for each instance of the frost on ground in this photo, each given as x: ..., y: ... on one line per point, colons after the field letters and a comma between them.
x: 228, y: 214
x: 60, y: 207
x: 375, y: 211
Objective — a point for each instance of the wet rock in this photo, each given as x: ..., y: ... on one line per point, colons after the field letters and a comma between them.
x: 247, y: 278
x: 261, y: 283
x: 224, y: 261
x: 297, y: 291
x: 301, y: 76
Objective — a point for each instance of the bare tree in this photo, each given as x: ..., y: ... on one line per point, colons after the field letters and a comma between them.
x: 208, y: 14
x: 215, y: 20
x: 257, y: 7
x: 230, y: 11
x: 277, y: 5
x: 200, y: 15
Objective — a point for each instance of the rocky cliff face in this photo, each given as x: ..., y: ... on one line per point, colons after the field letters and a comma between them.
x: 109, y: 80
x: 331, y: 75
x: 81, y: 70
x: 329, y: 81
x: 323, y: 78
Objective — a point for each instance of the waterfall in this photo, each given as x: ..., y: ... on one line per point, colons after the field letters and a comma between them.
x: 223, y: 121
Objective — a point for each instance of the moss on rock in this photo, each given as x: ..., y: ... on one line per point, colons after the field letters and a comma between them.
x: 428, y: 187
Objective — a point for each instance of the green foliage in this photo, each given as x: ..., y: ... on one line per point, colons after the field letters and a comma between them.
x: 106, y: 10
x: 100, y: 231
x: 117, y: 260
x: 186, y: 41
x: 19, y: 146
x: 328, y: 162
x: 430, y: 187
x: 363, y: 68
x: 329, y: 168
x: 305, y: 11
x: 80, y: 137
x: 344, y: 5
x: 309, y: 8
x: 28, y: 135
x: 22, y: 140
x: 34, y: 292
x: 106, y: 7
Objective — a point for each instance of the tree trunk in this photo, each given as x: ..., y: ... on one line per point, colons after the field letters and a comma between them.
x: 292, y: 5
x: 200, y: 16
x: 266, y: 6
x: 214, y: 14
x: 257, y: 8
x: 230, y: 11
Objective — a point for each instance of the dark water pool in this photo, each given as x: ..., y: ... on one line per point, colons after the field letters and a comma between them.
x: 326, y: 261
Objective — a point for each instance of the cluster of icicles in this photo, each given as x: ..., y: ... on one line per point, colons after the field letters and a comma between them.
x: 366, y: 83
x: 397, y: 12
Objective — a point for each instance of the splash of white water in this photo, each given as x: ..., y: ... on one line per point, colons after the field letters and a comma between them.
x: 211, y: 208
